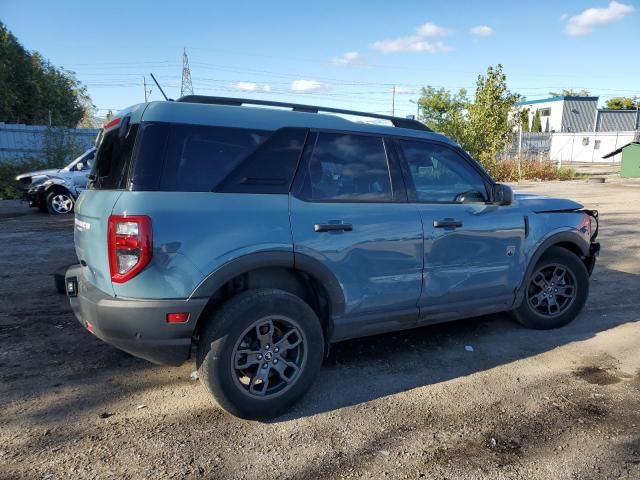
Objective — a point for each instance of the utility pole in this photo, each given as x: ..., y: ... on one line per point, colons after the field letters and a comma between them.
x: 417, y: 104
x: 187, y: 86
x: 393, y: 101
x: 146, y: 92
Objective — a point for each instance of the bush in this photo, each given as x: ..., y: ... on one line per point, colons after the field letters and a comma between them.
x: 9, y: 187
x: 507, y: 171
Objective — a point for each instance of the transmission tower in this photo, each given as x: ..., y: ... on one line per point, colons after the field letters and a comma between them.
x: 187, y: 86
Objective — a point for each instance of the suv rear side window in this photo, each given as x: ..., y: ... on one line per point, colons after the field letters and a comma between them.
x: 197, y: 158
x: 346, y: 167
x: 440, y: 174
x: 113, y: 158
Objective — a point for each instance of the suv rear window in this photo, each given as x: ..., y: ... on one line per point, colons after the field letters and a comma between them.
x: 113, y: 158
x: 197, y: 158
x: 191, y: 158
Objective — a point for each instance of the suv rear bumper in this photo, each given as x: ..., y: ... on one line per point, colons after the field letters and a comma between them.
x: 138, y: 327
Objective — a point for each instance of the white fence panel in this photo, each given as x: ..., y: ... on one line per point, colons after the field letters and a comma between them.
x: 588, y: 147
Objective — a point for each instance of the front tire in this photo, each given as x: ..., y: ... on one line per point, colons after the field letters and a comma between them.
x: 260, y: 352
x: 60, y: 202
x: 556, y: 291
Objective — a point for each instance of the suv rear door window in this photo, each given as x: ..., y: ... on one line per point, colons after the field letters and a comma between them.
x: 346, y: 167
x: 440, y: 174
x: 197, y: 158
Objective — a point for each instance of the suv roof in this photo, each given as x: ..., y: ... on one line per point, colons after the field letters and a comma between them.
x: 231, y: 112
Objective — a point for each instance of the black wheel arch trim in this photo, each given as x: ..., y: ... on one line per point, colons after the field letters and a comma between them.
x: 571, y: 237
x: 56, y: 185
x: 283, y: 259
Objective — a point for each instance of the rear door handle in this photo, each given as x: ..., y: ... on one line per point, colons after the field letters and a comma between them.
x: 333, y: 227
x: 447, y: 223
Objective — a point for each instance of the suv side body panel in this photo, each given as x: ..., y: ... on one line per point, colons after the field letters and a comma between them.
x: 474, y: 267
x: 195, y: 233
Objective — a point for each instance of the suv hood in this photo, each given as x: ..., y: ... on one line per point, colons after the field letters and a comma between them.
x: 39, y: 173
x: 539, y: 203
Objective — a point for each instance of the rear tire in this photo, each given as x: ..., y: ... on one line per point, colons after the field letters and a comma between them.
x: 555, y: 292
x: 260, y: 352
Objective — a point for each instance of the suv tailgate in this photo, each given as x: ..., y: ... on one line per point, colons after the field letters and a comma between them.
x: 90, y: 236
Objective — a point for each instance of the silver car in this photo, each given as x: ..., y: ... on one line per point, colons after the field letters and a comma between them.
x: 56, y: 190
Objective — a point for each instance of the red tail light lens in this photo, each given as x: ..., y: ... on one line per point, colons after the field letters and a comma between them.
x: 130, y: 245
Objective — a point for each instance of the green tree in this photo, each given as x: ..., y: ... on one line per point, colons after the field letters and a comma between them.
x: 488, y: 128
x: 537, y: 124
x: 32, y: 91
x: 623, y: 103
x: 481, y: 126
x: 570, y: 92
x: 523, y: 117
x: 444, y: 111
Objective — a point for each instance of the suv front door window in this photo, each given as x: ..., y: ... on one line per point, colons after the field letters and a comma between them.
x: 439, y: 174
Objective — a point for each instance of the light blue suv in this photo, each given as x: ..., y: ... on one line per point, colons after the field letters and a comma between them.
x: 260, y: 235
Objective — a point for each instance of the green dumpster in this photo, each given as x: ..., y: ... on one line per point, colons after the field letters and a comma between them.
x: 630, y: 164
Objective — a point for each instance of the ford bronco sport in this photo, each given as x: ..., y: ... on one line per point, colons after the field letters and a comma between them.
x: 260, y: 235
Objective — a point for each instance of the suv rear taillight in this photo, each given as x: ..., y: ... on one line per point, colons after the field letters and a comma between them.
x: 130, y: 245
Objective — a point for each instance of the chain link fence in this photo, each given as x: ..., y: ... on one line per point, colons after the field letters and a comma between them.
x: 52, y: 146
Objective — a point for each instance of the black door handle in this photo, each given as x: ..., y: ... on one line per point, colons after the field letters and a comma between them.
x: 333, y: 227
x: 447, y: 223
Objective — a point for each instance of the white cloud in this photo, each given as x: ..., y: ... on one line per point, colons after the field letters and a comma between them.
x: 347, y: 58
x: 251, y: 87
x: 416, y: 43
x: 482, y: 31
x: 585, y: 22
x: 307, y: 86
x: 410, y: 44
x: 405, y: 91
x: 432, y: 30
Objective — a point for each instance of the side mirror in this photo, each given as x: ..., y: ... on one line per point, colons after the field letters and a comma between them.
x: 502, y: 194
x: 79, y: 166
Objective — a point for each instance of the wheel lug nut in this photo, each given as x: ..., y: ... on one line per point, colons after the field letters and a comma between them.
x: 267, y: 347
x: 259, y: 357
x: 275, y: 360
x: 276, y: 349
x: 265, y: 365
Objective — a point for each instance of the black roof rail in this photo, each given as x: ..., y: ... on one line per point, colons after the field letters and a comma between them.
x: 296, y: 107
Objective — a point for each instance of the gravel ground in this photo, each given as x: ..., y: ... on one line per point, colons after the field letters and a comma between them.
x: 561, y: 404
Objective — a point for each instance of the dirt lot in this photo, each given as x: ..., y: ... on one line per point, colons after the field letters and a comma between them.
x: 559, y: 404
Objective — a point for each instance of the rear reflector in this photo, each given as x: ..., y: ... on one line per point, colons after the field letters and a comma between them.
x: 181, y: 317
x: 112, y: 123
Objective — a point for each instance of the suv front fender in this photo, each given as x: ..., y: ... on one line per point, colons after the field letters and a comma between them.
x: 566, y: 237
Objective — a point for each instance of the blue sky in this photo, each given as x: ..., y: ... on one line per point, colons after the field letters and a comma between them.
x: 334, y: 53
